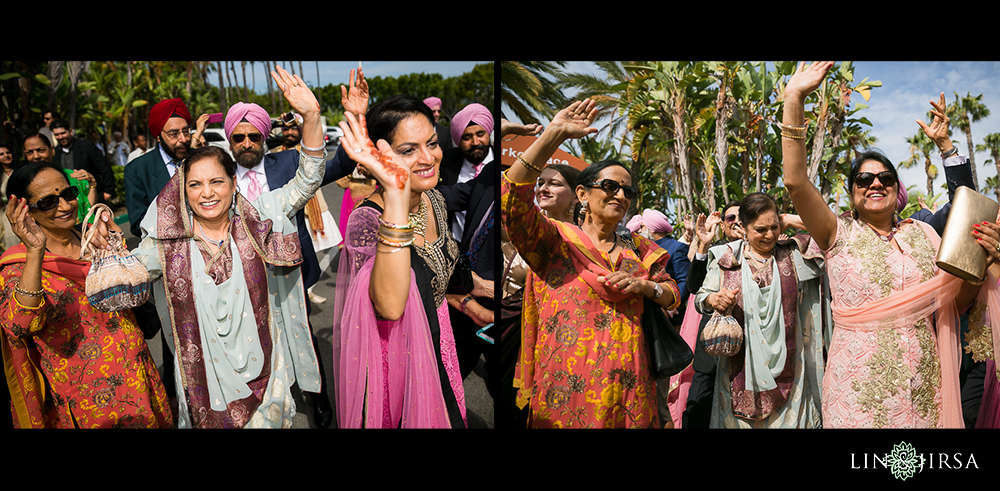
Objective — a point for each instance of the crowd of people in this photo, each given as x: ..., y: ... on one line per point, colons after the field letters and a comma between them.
x: 229, y: 241
x: 848, y: 323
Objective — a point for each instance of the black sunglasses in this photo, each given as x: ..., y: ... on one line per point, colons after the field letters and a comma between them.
x: 254, y: 137
x: 612, y: 187
x: 865, y: 179
x: 50, y: 202
x: 730, y: 218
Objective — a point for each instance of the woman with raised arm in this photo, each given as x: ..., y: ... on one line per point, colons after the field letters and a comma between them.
x: 226, y: 274
x: 893, y: 359
x: 395, y: 364
x: 584, y: 361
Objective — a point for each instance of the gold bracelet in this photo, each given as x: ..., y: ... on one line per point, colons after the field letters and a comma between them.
x: 529, y: 165
x: 793, y: 126
x: 794, y: 137
x: 395, y: 226
x: 393, y: 243
x: 39, y: 293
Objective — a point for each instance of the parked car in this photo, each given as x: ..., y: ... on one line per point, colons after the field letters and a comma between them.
x: 217, y: 138
x: 332, y: 136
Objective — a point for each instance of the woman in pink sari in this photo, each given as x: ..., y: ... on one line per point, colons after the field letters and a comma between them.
x: 893, y: 358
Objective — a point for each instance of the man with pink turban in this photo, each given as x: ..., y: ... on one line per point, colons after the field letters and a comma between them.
x: 444, y: 136
x: 246, y: 127
x: 472, y: 129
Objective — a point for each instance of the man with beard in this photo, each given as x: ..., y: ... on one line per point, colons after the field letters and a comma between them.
x: 170, y: 125
x: 246, y: 127
x: 291, y: 136
x: 698, y: 408
x: 471, y: 129
x: 73, y: 153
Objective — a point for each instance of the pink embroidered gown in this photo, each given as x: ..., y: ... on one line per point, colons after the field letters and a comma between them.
x: 887, y: 378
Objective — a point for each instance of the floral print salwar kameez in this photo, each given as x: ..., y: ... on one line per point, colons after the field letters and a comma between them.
x: 69, y: 365
x: 584, y: 361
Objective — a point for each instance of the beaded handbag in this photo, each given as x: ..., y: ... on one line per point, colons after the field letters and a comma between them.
x: 722, y: 335
x: 116, y: 280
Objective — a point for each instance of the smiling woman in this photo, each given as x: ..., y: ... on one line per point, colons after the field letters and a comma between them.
x: 54, y: 341
x: 584, y: 360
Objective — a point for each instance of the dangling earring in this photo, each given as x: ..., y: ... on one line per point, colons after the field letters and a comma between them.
x: 584, y: 209
x: 571, y: 210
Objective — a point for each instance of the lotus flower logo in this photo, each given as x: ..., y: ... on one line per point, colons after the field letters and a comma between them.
x: 903, y: 461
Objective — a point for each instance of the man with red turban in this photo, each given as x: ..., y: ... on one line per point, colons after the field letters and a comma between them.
x: 170, y: 126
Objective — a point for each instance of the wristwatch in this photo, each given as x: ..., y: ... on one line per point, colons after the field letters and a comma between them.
x: 657, y: 290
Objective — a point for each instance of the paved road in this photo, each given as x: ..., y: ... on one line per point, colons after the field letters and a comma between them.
x: 479, y: 404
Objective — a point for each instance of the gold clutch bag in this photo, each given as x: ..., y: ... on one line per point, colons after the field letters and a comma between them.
x: 960, y: 254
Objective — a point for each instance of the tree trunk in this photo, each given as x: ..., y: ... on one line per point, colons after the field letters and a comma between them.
x: 972, y: 152
x: 681, y: 149
x: 222, y: 89
x: 722, y: 108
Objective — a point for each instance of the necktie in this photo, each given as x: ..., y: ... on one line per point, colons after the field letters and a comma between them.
x: 253, y: 190
x: 480, y: 237
x: 172, y: 167
x: 479, y: 168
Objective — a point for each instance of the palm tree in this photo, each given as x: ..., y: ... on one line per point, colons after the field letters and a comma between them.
x: 525, y: 87
x: 963, y: 112
x: 991, y: 144
x: 922, y: 147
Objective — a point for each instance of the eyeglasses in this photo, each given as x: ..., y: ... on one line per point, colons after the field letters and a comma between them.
x: 612, y: 187
x: 254, y: 137
x: 50, y: 202
x: 865, y: 179
x: 173, y: 134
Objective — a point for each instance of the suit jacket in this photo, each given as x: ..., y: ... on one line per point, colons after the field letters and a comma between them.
x: 451, y: 166
x: 145, y: 176
x: 280, y: 167
x: 476, y: 198
x: 88, y: 157
x: 677, y: 268
x: 955, y: 176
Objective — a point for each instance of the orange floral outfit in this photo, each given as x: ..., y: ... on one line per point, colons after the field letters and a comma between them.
x: 69, y: 365
x: 584, y: 362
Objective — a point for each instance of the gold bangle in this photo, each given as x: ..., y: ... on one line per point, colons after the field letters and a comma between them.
x: 395, y: 226
x: 17, y: 288
x: 396, y: 236
x: 393, y: 243
x: 794, y: 137
x: 529, y: 165
x: 793, y: 126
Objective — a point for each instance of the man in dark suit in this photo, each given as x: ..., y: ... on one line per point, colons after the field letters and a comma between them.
x: 471, y: 311
x: 246, y: 127
x: 78, y: 153
x: 698, y: 408
x: 170, y: 125
x: 471, y: 128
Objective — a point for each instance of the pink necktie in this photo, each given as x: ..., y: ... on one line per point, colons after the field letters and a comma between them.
x: 254, y: 189
x: 479, y: 168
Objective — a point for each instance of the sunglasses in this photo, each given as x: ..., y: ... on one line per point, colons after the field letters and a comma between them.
x: 866, y: 179
x: 254, y: 137
x: 730, y: 218
x: 612, y: 188
x: 52, y: 201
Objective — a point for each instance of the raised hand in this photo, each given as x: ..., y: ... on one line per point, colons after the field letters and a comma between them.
x: 381, y: 163
x: 938, y: 129
x: 354, y: 97
x: 31, y: 235
x: 706, y: 227
x: 511, y: 128
x: 296, y: 92
x: 806, y: 79
x: 575, y: 120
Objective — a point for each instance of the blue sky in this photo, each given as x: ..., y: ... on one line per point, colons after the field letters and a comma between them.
x: 338, y: 72
x: 905, y: 95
